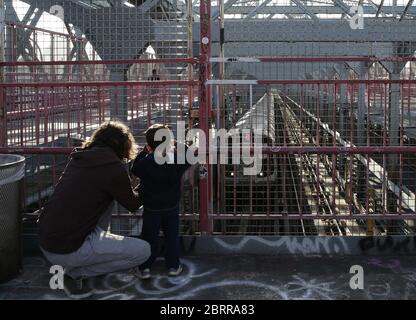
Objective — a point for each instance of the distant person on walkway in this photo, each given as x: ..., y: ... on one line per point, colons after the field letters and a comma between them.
x: 161, y: 187
x: 154, y: 76
x: 154, y: 90
x: 74, y: 223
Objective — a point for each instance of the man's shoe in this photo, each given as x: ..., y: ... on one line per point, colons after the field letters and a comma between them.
x: 175, y: 272
x: 76, y: 288
x: 144, y: 274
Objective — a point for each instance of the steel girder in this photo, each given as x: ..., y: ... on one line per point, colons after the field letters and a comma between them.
x: 375, y: 30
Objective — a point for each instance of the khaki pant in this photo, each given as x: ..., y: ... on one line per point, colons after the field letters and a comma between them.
x: 101, y: 253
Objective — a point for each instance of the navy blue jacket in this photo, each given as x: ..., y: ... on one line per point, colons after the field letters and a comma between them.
x: 160, y: 184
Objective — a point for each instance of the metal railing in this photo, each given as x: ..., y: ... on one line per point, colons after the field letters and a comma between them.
x: 338, y: 153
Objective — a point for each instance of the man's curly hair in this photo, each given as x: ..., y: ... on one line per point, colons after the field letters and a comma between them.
x: 117, y: 136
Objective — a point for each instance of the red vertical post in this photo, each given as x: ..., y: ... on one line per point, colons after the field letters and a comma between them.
x: 205, y: 112
x: 3, y: 127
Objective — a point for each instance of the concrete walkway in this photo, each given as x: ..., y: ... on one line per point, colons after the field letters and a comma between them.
x: 240, y: 277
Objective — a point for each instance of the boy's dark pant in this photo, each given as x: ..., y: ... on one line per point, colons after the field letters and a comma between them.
x: 169, y: 222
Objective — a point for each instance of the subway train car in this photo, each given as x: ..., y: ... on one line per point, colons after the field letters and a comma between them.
x: 260, y: 118
x: 271, y: 192
x: 253, y: 194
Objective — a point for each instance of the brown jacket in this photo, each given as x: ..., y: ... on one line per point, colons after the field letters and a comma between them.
x: 92, y: 180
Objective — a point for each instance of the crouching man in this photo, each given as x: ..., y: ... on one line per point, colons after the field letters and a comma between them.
x: 74, y: 224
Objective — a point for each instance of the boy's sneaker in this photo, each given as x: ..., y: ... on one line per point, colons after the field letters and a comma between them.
x: 76, y: 288
x: 175, y: 272
x: 144, y: 274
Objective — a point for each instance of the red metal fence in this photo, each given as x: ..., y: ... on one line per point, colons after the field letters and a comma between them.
x: 320, y: 172
x: 325, y: 170
x: 339, y: 154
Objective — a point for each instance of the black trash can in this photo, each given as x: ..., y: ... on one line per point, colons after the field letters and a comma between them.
x: 12, y: 171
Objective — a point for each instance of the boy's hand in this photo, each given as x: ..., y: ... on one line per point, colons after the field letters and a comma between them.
x: 143, y: 153
x: 135, y: 182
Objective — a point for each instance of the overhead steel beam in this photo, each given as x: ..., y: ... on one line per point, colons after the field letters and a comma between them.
x: 117, y: 3
x: 406, y: 10
x: 287, y: 71
x: 24, y: 35
x: 271, y: 30
x: 216, y: 12
x: 372, y: 3
x: 148, y: 5
x: 319, y: 9
x: 305, y: 10
x: 78, y: 52
x: 305, y: 31
x: 182, y: 4
x: 344, y: 7
x: 255, y: 10
x: 379, y: 8
x: 108, y: 42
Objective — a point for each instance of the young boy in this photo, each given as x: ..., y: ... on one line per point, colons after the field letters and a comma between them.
x: 161, y: 193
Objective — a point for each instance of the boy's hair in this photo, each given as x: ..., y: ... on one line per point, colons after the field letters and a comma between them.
x: 151, y: 133
x: 117, y: 136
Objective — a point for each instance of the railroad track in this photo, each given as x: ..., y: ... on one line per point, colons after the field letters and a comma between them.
x: 333, y: 192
